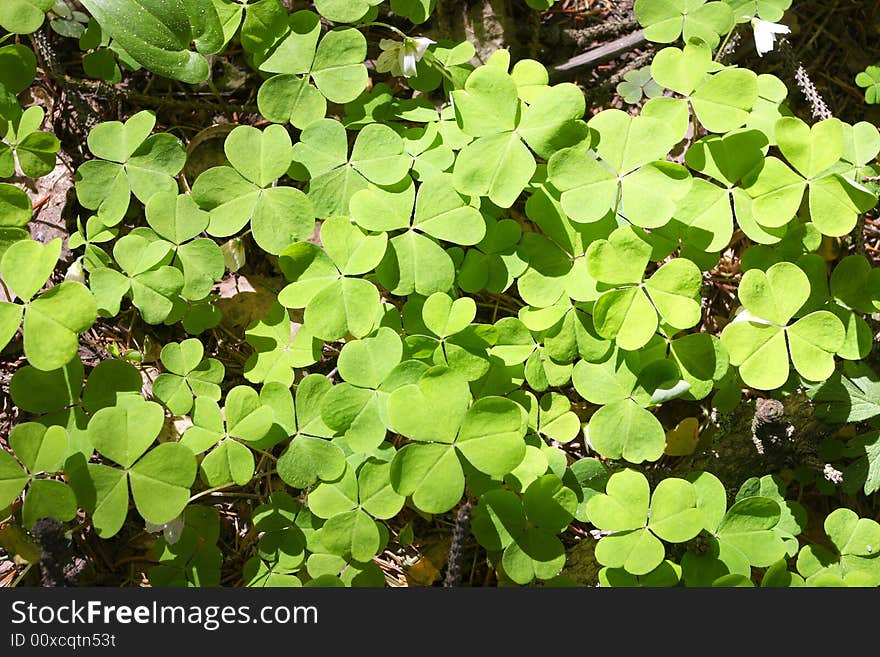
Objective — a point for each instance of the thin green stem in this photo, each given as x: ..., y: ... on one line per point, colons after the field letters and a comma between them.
x: 22, y: 575
x: 209, y: 491
x: 724, y: 44
x: 433, y: 61
x: 386, y: 26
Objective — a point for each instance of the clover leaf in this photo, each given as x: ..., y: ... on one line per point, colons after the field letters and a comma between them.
x: 628, y: 312
x: 639, y: 521
x: 635, y: 182
x: 54, y: 319
x: 498, y: 163
x: 741, y: 537
x: 321, y: 157
x: 325, y: 283
x: 705, y: 217
x: 834, y: 200
x: 853, y: 559
x: 312, y: 70
x: 522, y: 529
x: 160, y: 478
x: 243, y: 193
x: 310, y: 456
x: 664, y: 21
x: 488, y: 435
x: 760, y: 344
x: 247, y: 416
x: 721, y: 98
x: 187, y: 376
x: 177, y: 219
x: 625, y: 387
x: 148, y: 278
x: 357, y: 408
x: 279, y: 347
x: 348, y: 504
x: 637, y: 83
x: 128, y: 161
x: 42, y: 451
x: 34, y: 149
x: 414, y: 261
x: 437, y: 336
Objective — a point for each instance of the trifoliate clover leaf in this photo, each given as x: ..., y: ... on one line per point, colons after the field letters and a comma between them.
x: 705, y: 216
x: 834, y: 201
x: 244, y: 193
x: 720, y: 97
x: 489, y: 435
x: 187, y: 376
x: 414, y: 262
x: 309, y: 456
x: 628, y: 313
x: 623, y: 427
x: 664, y: 21
x: 148, y: 278
x: 279, y: 347
x: 160, y: 478
x: 742, y: 536
x: 854, y: 557
x: 336, y: 302
x: 620, y: 178
x: 312, y: 70
x: 504, y: 522
x: 128, y: 161
x: 638, y: 83
x: 321, y: 156
x: 54, y: 319
x: 639, y: 522
x: 42, y: 450
x: 248, y: 418
x: 869, y: 80
x: 498, y: 163
x: 34, y: 149
x: 761, y: 342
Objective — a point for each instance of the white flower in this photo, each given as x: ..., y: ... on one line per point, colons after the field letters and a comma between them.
x: 412, y: 52
x: 170, y: 530
x: 765, y: 34
x: 400, y: 57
